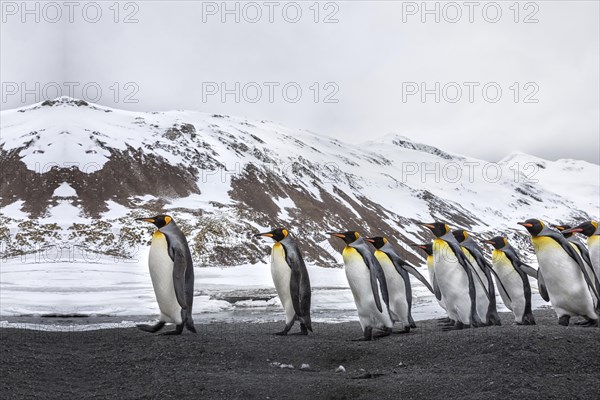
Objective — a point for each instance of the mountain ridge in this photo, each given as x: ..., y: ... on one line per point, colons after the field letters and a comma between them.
x: 223, y: 177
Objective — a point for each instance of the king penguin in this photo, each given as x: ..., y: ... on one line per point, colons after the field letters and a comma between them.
x: 513, y: 283
x: 583, y: 252
x: 591, y: 229
x: 428, y: 249
x: 455, y: 277
x: 562, y: 275
x: 291, y: 280
x: 367, y: 284
x: 486, y: 307
x: 172, y: 274
x: 396, y: 272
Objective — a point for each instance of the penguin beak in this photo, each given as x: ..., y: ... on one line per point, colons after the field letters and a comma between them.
x: 430, y: 226
x: 573, y: 230
x: 340, y: 235
x: 151, y: 220
x: 267, y: 234
x: 525, y: 224
x: 559, y: 227
x: 421, y: 246
x: 488, y: 242
x: 370, y: 240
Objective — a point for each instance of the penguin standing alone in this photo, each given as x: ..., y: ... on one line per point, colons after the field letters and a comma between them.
x: 513, y: 284
x: 291, y: 280
x: 172, y: 274
x: 367, y: 283
x: 396, y: 272
x: 562, y: 274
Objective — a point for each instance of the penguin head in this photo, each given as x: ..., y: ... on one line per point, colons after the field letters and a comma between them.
x: 427, y: 248
x: 588, y: 228
x: 498, y: 242
x: 377, y: 241
x: 533, y: 226
x: 565, y: 230
x: 276, y: 234
x: 159, y: 220
x: 460, y: 234
x: 347, y: 237
x: 439, y: 229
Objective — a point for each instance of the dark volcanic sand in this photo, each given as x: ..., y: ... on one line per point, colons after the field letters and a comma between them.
x: 234, y: 361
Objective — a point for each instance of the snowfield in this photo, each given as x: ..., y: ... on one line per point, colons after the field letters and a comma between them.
x: 120, y: 294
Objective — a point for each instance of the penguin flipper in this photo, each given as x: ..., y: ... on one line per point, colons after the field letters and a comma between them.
x: 468, y: 267
x: 179, y: 268
x: 399, y: 263
x: 500, y: 283
x: 295, y: 291
x: 436, y: 288
x: 542, y: 286
x: 299, y: 283
x: 375, y: 289
x: 528, y: 270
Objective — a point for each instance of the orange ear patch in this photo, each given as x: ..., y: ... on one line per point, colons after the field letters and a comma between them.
x: 168, y: 220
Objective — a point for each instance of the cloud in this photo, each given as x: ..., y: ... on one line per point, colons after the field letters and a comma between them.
x: 363, y: 64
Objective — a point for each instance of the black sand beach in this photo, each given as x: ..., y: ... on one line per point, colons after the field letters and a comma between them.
x: 235, y: 361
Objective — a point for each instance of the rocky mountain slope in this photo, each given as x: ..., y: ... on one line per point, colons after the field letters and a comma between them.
x: 75, y: 175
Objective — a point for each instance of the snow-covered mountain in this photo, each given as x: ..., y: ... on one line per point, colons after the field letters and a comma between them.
x: 75, y: 175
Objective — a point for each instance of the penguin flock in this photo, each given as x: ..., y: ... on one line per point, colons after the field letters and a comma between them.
x: 460, y: 277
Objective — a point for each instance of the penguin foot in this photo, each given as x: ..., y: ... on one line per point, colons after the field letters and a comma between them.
x: 303, y: 332
x: 494, y: 319
x: 444, y: 320
x: 191, y: 328
x: 406, y: 329
x: 564, y: 320
x: 412, y: 322
x: 282, y: 333
x: 178, y: 330
x: 590, y: 323
x: 367, y: 336
x: 304, y: 329
x: 384, y: 332
x: 151, y: 328
x: 457, y: 327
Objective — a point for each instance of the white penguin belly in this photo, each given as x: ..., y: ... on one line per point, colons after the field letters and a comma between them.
x: 441, y: 302
x: 359, y: 280
x: 396, y: 289
x: 282, y: 273
x: 568, y: 291
x: 161, y: 272
x: 452, y: 281
x: 512, y: 283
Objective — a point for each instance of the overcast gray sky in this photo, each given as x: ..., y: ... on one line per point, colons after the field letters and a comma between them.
x: 375, y: 61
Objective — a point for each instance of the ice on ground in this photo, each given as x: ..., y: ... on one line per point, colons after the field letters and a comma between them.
x: 106, y: 287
